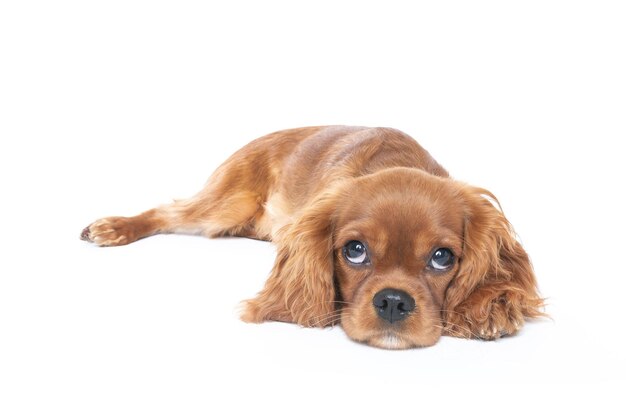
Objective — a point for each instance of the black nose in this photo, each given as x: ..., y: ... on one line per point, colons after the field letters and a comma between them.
x: 393, y: 305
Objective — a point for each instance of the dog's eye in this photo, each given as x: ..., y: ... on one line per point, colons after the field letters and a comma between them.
x: 441, y: 260
x: 356, y: 252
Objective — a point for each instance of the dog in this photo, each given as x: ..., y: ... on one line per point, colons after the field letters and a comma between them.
x: 372, y: 234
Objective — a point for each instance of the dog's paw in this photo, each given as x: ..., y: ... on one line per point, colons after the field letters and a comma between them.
x: 110, y: 231
x: 502, y: 319
x: 498, y: 317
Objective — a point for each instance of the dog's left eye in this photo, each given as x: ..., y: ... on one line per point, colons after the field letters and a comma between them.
x: 356, y: 252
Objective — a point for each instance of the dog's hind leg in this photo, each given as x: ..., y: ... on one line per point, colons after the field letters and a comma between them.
x: 230, y: 204
x: 232, y: 215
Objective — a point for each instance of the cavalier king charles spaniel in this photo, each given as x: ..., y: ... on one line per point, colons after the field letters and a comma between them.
x: 371, y: 233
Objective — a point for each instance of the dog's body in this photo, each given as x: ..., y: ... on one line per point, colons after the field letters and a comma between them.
x: 371, y: 233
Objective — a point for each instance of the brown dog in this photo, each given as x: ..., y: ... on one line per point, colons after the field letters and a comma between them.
x: 371, y: 233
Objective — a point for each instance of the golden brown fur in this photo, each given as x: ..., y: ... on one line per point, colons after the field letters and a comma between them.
x: 312, y: 191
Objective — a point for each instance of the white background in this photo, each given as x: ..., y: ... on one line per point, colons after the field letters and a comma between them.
x: 111, y: 108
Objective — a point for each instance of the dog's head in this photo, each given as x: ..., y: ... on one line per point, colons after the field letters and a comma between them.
x: 397, y: 257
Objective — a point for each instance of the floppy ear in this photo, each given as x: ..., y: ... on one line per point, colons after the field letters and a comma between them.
x: 495, y: 288
x: 300, y: 288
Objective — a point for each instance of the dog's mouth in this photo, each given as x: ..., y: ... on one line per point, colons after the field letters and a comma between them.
x: 394, y: 337
x: 372, y: 325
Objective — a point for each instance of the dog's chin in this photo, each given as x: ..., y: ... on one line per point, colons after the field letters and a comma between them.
x: 389, y: 339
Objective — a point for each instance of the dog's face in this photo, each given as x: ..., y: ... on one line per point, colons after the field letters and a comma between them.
x: 399, y: 258
x: 396, y: 253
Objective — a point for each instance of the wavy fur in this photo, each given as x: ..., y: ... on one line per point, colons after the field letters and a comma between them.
x: 312, y: 191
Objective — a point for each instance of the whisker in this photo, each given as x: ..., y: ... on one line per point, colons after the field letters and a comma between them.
x: 325, y: 321
x: 462, y: 328
x: 323, y: 316
x: 335, y: 302
x: 457, y: 333
x: 328, y: 317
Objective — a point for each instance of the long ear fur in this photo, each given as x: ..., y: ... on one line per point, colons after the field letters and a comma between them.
x: 300, y: 288
x: 495, y: 288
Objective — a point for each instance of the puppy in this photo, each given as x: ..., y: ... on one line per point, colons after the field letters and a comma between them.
x: 371, y: 233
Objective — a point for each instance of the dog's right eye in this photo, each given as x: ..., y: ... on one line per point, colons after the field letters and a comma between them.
x: 356, y: 253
